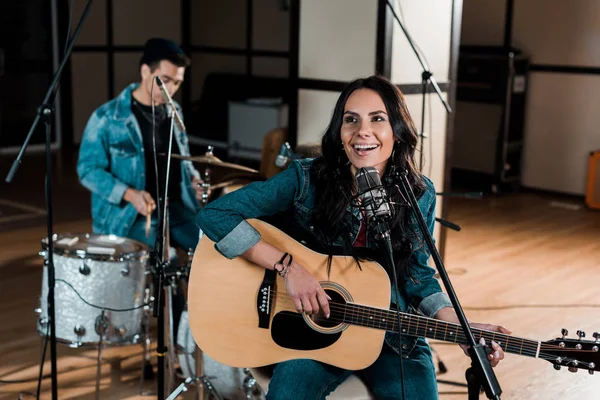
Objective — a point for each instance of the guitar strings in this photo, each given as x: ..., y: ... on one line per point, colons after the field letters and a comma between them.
x: 532, y: 347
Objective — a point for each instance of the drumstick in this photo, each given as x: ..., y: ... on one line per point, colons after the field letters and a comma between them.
x: 148, y: 216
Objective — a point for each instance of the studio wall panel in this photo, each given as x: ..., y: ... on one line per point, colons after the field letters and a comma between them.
x: 337, y: 39
x: 270, y: 26
x: 315, y: 108
x: 434, y: 146
x: 94, y: 29
x: 558, y: 32
x: 428, y: 22
x: 89, y: 88
x: 135, y: 21
x: 562, y: 128
x: 219, y: 23
x: 206, y: 63
x: 270, y: 66
x: 127, y: 70
x: 483, y: 22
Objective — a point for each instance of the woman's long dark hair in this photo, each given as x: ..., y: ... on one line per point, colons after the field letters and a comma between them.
x: 335, y: 183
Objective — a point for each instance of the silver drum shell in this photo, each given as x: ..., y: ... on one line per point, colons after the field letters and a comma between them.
x: 114, y: 284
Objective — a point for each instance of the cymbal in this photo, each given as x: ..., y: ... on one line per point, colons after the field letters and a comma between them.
x: 214, y: 162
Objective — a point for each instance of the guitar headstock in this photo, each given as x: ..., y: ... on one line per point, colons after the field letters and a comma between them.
x: 574, y: 354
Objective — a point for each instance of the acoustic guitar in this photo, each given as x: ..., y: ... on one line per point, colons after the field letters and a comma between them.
x: 241, y: 315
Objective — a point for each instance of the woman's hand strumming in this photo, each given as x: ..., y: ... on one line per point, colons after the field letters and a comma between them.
x: 306, y: 292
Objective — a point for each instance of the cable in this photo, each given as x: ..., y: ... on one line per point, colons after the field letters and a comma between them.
x: 98, y: 307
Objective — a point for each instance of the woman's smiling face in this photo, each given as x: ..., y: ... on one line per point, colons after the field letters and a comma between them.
x: 366, y: 131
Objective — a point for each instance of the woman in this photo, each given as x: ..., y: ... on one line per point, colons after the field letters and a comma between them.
x: 370, y: 127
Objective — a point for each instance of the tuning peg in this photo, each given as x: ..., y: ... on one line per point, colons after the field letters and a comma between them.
x: 573, y: 369
x: 581, y: 334
x: 591, y: 371
x: 596, y: 336
x: 557, y: 367
x: 564, y: 332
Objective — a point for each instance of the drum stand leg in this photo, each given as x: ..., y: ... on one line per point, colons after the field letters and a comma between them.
x: 200, y: 380
x: 146, y: 372
x: 101, y: 326
x: 252, y: 389
x: 169, y: 329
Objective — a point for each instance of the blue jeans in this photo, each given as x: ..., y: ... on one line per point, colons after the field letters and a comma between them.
x: 312, y: 380
x: 183, y: 230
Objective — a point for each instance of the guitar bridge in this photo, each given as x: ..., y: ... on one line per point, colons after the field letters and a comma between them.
x: 264, y: 298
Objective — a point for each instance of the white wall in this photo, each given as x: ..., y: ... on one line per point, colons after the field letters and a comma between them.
x: 337, y: 39
x: 563, y: 122
x: 563, y: 126
x: 429, y: 24
x: 562, y: 119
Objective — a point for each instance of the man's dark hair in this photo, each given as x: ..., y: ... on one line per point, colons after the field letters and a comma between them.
x: 158, y: 49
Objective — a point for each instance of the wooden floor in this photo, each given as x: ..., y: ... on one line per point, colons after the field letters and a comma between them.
x: 526, y: 261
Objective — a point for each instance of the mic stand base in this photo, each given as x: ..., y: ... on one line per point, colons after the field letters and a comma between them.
x: 482, y: 368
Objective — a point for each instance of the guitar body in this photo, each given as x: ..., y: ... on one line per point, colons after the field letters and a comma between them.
x: 224, y: 308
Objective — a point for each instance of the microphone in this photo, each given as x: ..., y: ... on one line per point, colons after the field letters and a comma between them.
x: 372, y: 195
x: 169, y: 101
x: 283, y: 158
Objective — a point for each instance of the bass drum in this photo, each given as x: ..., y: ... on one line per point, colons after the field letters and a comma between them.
x: 99, y: 291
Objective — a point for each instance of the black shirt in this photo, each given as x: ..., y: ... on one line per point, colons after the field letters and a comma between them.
x: 143, y: 114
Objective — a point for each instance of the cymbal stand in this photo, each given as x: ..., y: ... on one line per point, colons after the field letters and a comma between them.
x: 200, y: 380
x: 206, y: 177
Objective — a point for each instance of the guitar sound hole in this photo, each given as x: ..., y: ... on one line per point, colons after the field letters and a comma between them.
x: 289, y: 330
x: 336, y: 308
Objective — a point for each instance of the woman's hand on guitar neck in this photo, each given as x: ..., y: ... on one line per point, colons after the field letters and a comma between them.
x: 496, y: 354
x: 306, y: 292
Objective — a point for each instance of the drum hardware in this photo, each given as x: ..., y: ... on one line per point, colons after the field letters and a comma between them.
x: 165, y: 277
x: 206, y: 181
x: 147, y: 373
x: 84, y: 269
x: 101, y: 327
x: 211, y: 161
x: 79, y: 330
x: 97, y: 272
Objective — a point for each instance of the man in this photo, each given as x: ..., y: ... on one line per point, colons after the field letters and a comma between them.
x: 116, y: 157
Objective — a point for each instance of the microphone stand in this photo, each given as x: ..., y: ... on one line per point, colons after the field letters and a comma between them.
x: 45, y: 112
x: 160, y: 265
x: 426, y: 78
x: 481, y: 372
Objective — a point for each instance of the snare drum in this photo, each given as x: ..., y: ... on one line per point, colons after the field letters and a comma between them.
x: 108, y: 272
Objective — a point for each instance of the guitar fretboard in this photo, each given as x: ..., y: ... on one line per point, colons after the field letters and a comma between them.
x: 415, y: 325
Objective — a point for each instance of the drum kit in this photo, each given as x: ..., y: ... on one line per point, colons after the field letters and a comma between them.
x: 103, y: 295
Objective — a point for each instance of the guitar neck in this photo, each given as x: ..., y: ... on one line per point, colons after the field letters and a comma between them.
x: 415, y: 325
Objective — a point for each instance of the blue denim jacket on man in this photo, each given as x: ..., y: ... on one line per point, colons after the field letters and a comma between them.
x: 111, y: 159
x: 224, y: 222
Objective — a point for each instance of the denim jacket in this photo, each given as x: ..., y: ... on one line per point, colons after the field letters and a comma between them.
x: 224, y: 222
x: 111, y: 159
